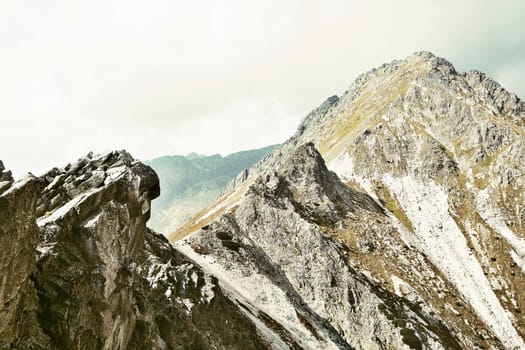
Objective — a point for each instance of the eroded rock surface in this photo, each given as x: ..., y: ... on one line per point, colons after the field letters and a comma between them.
x: 18, y: 240
x: 92, y: 276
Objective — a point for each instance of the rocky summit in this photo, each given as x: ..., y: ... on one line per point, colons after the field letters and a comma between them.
x: 392, y: 219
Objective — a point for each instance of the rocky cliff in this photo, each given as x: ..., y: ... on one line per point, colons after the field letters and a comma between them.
x: 415, y: 239
x: 80, y: 270
x: 18, y: 239
x: 272, y: 251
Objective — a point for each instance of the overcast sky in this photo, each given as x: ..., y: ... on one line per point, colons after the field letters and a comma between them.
x: 162, y: 77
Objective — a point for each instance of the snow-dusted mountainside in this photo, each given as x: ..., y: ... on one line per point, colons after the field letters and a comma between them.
x: 392, y: 219
x: 191, y: 183
x: 415, y: 239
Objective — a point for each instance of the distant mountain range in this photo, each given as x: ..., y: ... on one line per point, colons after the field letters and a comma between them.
x: 190, y: 183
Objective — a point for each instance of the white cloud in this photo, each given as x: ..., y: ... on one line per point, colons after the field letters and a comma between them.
x: 155, y: 76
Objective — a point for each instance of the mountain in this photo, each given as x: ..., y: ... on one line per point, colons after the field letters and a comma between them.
x: 190, y: 183
x: 392, y: 219
x: 393, y: 216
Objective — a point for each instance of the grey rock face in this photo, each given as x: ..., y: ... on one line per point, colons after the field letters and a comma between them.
x: 277, y: 232
x: 18, y: 240
x: 92, y: 276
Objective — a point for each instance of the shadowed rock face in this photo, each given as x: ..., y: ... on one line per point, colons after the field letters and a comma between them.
x: 80, y: 270
x: 18, y: 239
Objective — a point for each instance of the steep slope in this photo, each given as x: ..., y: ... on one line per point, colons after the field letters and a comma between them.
x: 272, y: 251
x: 190, y: 183
x: 444, y: 152
x: 80, y: 270
x: 440, y: 154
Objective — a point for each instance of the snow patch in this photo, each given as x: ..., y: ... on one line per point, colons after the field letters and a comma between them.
x: 517, y: 260
x: 275, y: 341
x: 426, y: 206
x: 258, y: 291
x: 91, y: 223
x: 343, y: 166
x: 195, y: 278
x: 497, y: 223
x: 54, y: 182
x: 18, y: 185
x: 401, y: 288
x: 207, y: 292
x: 186, y: 302
x: 63, y: 210
x: 45, y: 249
x: 114, y: 174
x: 158, y: 273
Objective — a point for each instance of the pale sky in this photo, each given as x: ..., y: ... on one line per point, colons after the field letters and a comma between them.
x: 161, y: 77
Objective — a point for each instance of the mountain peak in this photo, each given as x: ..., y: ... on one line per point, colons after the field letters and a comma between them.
x: 427, y: 55
x: 436, y: 155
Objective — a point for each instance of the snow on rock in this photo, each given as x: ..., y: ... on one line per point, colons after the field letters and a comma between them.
x: 159, y: 273
x: 63, y: 210
x: 18, y: 185
x: 518, y: 260
x: 207, y: 290
x: 343, y: 166
x: 45, y: 249
x: 273, y: 339
x: 426, y: 206
x: 91, y: 223
x: 496, y: 222
x: 114, y: 174
x: 258, y: 291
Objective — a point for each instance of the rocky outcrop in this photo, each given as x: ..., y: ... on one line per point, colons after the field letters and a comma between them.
x: 440, y: 149
x: 6, y: 179
x: 92, y: 276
